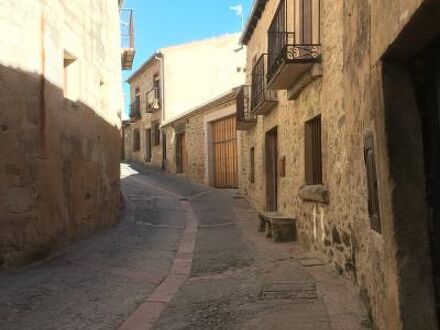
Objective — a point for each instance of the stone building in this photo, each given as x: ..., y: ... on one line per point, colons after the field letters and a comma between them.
x: 60, y: 115
x: 174, y: 81
x: 203, y: 143
x: 340, y: 129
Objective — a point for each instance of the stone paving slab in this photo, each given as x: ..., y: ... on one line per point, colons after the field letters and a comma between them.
x: 184, y: 256
x: 98, y: 282
x: 240, y: 280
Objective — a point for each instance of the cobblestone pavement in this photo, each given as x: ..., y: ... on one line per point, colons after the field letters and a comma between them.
x: 184, y: 256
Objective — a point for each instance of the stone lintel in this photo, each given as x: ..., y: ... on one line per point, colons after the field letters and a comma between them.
x: 314, y: 193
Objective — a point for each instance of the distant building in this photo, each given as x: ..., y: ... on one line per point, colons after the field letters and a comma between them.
x: 203, y: 143
x: 60, y: 119
x: 172, y: 82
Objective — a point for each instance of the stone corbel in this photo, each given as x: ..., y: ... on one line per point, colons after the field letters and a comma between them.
x: 314, y: 193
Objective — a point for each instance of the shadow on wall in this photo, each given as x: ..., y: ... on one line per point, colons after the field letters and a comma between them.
x: 59, y: 169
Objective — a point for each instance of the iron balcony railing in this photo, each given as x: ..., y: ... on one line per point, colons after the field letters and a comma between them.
x: 297, y: 39
x: 153, y: 100
x: 135, y: 108
x: 245, y: 117
x: 259, y: 91
x: 127, y: 28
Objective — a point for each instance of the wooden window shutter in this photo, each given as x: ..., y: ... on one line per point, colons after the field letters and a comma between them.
x: 252, y: 161
x: 312, y: 152
x: 136, y: 140
x: 156, y: 134
x: 306, y: 22
x: 372, y: 185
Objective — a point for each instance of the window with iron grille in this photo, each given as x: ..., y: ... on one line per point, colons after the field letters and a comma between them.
x: 373, y: 195
x: 258, y: 83
x: 136, y: 140
x: 252, y: 161
x: 148, y: 145
x: 313, y: 156
x: 156, y: 134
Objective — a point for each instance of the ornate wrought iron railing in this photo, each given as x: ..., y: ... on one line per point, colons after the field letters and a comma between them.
x: 299, y: 41
x: 153, y: 100
x: 245, y: 116
x: 259, y: 91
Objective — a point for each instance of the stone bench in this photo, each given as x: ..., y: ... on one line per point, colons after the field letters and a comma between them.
x: 279, y: 227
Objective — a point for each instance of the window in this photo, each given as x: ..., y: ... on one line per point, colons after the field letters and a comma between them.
x: 156, y: 81
x: 136, y: 140
x: 71, y: 77
x: 373, y: 195
x: 137, y: 97
x: 156, y: 133
x: 164, y: 146
x: 313, y: 157
x: 156, y: 85
x: 148, y: 145
x: 135, y: 105
x: 252, y: 161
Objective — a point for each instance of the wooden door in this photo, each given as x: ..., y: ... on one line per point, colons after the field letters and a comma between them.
x: 271, y: 170
x: 181, y: 157
x: 224, y: 136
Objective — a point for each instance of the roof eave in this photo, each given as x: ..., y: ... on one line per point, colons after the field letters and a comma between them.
x: 143, y: 66
x: 252, y: 21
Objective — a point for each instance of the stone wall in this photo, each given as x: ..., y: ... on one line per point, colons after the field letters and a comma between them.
x: 59, y: 163
x: 393, y: 271
x: 322, y: 227
x: 393, y: 274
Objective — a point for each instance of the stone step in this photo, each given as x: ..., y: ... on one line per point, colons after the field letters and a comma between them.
x: 279, y: 227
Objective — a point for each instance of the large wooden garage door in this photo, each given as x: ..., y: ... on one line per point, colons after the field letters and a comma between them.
x: 225, y: 153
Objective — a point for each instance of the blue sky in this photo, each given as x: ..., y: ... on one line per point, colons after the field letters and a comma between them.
x: 162, y: 23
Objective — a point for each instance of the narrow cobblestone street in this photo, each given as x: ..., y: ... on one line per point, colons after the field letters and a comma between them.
x: 183, y: 256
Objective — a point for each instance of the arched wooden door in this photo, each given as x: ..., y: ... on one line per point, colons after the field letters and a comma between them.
x: 224, y: 136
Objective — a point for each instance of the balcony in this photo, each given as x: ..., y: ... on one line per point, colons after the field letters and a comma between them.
x: 127, y: 38
x: 135, y: 108
x: 246, y: 119
x: 153, y: 100
x: 263, y: 100
x: 293, y: 44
